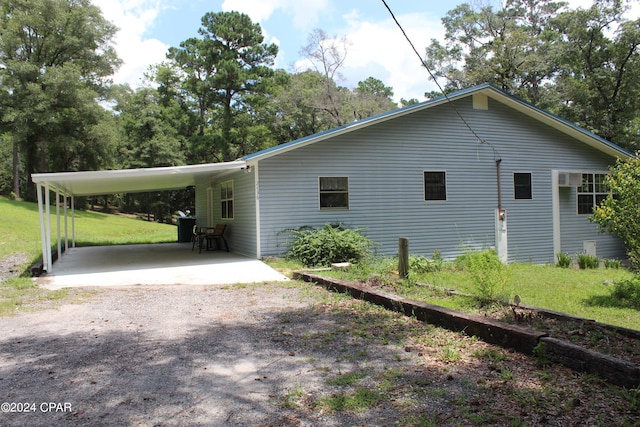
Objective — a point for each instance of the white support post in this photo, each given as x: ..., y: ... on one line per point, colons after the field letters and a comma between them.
x: 66, y: 223
x: 73, y: 222
x: 47, y: 201
x: 58, y: 224
x: 43, y: 236
x: 502, y: 241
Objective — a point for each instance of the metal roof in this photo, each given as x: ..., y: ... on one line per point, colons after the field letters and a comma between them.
x: 93, y: 183
x: 491, y: 91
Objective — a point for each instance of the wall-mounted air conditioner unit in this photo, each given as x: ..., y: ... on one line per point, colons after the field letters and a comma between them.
x: 569, y: 179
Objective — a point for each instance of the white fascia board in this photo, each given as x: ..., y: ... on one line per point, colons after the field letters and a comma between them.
x: 132, y: 180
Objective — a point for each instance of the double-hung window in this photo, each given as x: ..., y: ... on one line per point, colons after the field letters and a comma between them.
x: 226, y: 199
x: 334, y: 192
x: 592, y: 191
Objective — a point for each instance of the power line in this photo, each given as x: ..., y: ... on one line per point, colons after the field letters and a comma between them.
x: 424, y: 64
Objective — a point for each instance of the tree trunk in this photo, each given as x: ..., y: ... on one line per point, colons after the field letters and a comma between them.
x: 16, y: 169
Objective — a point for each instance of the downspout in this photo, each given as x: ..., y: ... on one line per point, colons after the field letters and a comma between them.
x: 498, y: 161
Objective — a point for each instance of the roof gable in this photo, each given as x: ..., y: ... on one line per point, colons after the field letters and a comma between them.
x: 487, y: 89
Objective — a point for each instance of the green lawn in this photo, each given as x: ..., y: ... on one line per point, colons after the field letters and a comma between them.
x: 581, y: 293
x: 20, y: 230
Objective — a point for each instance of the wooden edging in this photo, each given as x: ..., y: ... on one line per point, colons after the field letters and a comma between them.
x: 521, y: 339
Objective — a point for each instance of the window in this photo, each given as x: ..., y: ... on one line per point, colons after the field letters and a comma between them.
x: 435, y: 186
x: 592, y: 191
x: 522, y: 185
x: 334, y: 192
x: 226, y: 199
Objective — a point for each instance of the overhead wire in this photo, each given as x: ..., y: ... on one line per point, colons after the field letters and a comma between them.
x: 449, y: 101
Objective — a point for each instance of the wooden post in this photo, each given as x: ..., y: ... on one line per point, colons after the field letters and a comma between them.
x: 403, y: 257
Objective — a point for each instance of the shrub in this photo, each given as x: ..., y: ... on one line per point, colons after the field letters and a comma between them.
x: 619, y: 214
x: 564, y: 260
x: 324, y: 246
x: 588, y: 261
x: 489, y: 275
x: 627, y: 292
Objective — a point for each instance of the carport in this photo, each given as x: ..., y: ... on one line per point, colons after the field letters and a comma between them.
x: 67, y: 185
x: 155, y: 264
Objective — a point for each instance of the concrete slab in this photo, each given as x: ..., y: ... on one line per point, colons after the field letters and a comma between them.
x: 154, y: 264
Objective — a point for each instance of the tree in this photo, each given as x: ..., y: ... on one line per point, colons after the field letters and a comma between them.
x: 55, y: 56
x: 294, y: 110
x: 619, y: 213
x: 599, y: 77
x: 228, y: 63
x: 509, y: 48
x: 372, y: 97
x: 327, y: 55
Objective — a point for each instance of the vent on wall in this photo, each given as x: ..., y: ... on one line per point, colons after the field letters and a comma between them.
x: 569, y: 179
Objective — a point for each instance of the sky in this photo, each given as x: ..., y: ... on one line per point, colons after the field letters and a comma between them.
x: 377, y: 48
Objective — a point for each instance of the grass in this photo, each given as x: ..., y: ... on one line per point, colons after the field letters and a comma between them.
x: 20, y: 230
x: 577, y: 292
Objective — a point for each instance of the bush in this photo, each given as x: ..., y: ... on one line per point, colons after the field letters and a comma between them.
x: 327, y: 245
x: 422, y: 265
x: 564, y: 260
x: 588, y: 261
x: 613, y: 264
x: 489, y: 275
x: 619, y: 214
x: 627, y: 292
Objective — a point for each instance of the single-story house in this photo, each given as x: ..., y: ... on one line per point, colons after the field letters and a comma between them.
x: 478, y: 168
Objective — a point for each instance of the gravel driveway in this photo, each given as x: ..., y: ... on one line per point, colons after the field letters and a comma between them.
x: 270, y: 355
x: 169, y: 355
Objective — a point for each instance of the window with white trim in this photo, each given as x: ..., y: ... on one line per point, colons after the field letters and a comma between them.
x: 435, y: 186
x: 592, y: 191
x: 226, y: 199
x: 333, y: 192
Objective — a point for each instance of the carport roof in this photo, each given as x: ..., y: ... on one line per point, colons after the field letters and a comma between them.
x: 94, y: 183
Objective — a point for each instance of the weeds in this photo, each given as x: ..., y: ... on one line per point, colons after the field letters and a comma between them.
x: 360, y: 400
x: 564, y: 260
x: 586, y: 261
x: 540, y: 355
x: 488, y: 274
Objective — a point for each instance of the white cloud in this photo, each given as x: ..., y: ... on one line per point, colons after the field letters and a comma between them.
x: 379, y: 50
x: 305, y: 12
x: 133, y: 18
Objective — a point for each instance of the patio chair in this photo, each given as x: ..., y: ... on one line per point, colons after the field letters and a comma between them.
x: 197, y: 237
x: 215, y: 235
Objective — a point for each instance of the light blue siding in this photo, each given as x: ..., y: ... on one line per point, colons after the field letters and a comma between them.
x: 576, y: 229
x: 241, y: 230
x: 385, y: 163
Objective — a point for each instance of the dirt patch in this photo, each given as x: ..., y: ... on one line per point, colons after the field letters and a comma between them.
x: 271, y: 355
x: 11, y: 266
